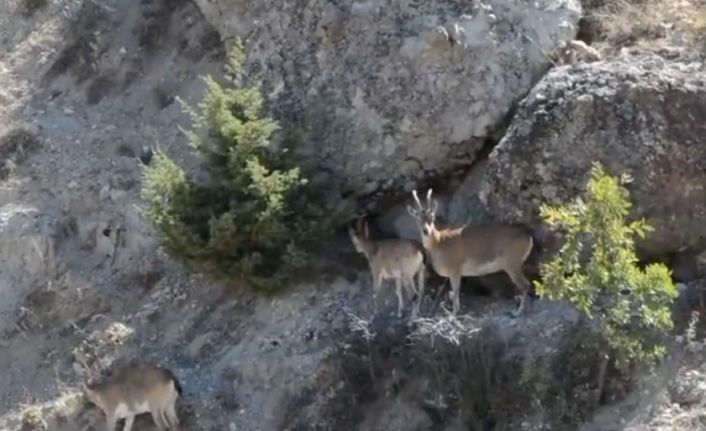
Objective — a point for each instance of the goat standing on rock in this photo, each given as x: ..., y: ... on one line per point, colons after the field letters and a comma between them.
x: 397, y: 259
x: 135, y: 388
x: 473, y: 250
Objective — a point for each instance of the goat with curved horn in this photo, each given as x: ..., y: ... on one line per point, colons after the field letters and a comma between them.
x: 473, y: 250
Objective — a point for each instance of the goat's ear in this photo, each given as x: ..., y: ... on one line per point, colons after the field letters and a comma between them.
x: 412, y: 211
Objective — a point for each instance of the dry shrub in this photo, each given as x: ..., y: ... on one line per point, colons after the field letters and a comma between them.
x: 15, y: 147
x: 30, y: 7
x: 697, y: 27
x: 652, y: 22
x: 462, y: 371
x: 88, y: 40
x: 68, y: 407
x: 63, y: 413
x: 624, y: 23
x: 153, y: 30
x: 33, y: 419
x: 98, y: 89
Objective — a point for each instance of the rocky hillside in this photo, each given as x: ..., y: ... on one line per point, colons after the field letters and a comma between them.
x: 475, y: 98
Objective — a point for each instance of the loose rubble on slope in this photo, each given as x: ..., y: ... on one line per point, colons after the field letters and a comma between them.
x: 390, y: 97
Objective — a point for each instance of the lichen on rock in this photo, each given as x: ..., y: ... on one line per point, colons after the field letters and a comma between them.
x: 375, y: 85
x: 642, y: 116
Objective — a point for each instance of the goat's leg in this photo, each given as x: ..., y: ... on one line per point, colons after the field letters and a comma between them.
x: 165, y: 418
x: 110, y: 422
x: 128, y: 422
x: 173, y: 418
x: 455, y: 293
x: 407, y: 290
x: 377, y: 283
x: 419, y: 290
x: 400, y: 296
x: 158, y: 418
x: 523, y: 285
x: 415, y: 301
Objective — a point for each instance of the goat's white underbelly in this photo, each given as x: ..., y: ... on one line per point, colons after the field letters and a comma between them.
x: 387, y: 274
x: 122, y: 410
x: 406, y: 268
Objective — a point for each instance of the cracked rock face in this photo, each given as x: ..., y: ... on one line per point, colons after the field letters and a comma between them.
x: 387, y: 93
x: 643, y: 116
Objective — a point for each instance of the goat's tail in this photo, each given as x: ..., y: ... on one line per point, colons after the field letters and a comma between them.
x: 546, y: 242
x: 173, y: 378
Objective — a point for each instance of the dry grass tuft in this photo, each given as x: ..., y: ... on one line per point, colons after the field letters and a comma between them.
x: 652, y: 23
x: 454, y: 330
x: 68, y: 406
x: 697, y: 28
x: 626, y: 23
x: 33, y: 419
x: 60, y: 414
x: 15, y: 147
x: 30, y: 7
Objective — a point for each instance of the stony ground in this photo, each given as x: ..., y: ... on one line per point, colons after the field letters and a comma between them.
x: 86, y: 90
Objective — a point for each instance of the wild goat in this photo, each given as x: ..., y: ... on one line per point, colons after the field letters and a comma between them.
x: 397, y: 259
x: 137, y: 387
x: 473, y: 250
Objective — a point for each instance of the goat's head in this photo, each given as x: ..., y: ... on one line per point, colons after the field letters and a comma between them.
x: 424, y: 216
x: 359, y: 232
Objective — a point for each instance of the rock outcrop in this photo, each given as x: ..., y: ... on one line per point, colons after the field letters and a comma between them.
x: 644, y: 116
x: 402, y: 379
x: 386, y: 94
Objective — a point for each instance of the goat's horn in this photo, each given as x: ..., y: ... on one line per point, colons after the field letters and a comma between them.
x: 416, y: 199
x: 429, y: 198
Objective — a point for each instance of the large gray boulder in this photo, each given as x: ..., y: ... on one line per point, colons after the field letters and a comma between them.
x: 645, y: 116
x: 387, y: 93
